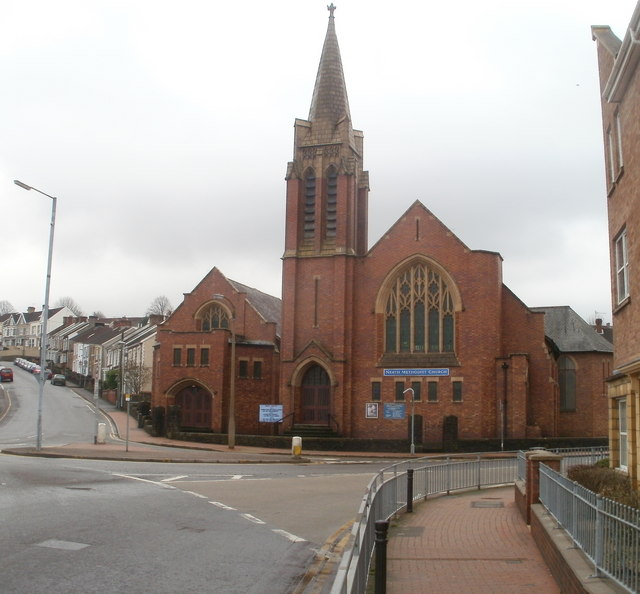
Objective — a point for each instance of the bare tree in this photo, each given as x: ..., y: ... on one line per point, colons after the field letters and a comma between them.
x: 98, y: 314
x: 136, y: 376
x: 71, y: 304
x: 160, y: 306
x: 6, y: 307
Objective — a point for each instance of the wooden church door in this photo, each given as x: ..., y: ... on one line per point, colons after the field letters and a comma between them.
x: 316, y: 396
x: 195, y: 407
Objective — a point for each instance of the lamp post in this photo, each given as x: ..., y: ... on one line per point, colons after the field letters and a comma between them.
x: 45, y: 311
x: 231, y: 426
x: 413, y: 416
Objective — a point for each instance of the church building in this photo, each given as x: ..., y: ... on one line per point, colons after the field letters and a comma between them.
x: 416, y: 337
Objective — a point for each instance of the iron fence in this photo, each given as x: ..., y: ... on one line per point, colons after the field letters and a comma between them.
x: 570, y: 457
x: 606, y: 531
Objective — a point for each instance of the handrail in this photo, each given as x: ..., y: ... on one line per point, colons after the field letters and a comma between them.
x: 330, y: 418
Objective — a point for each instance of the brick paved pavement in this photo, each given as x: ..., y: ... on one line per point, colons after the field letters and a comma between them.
x: 467, y: 543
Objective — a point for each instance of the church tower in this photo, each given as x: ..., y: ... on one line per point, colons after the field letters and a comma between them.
x: 325, y: 235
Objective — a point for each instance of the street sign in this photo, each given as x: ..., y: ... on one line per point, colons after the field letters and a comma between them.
x: 403, y: 372
x: 394, y: 410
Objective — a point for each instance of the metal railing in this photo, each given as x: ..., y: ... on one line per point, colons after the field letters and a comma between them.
x: 606, y: 531
x: 570, y: 457
x: 387, y: 494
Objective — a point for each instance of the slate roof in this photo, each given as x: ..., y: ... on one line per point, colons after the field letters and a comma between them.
x: 268, y: 306
x: 570, y: 333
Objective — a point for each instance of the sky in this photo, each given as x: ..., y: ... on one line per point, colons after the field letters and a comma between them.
x: 164, y: 130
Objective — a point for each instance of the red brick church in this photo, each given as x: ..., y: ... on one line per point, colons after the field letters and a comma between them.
x: 364, y: 337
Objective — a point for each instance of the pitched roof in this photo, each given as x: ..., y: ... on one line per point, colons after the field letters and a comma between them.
x: 570, y: 333
x: 269, y: 307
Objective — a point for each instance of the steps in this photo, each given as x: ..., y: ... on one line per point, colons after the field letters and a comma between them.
x: 311, y: 431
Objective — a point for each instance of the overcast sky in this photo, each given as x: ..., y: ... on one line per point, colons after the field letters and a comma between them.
x: 165, y: 129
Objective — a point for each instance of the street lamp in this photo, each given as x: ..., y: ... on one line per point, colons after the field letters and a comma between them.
x: 231, y: 427
x: 413, y: 416
x: 45, y: 311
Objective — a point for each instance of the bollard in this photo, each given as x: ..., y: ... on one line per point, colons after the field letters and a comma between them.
x: 381, y: 557
x: 102, y: 433
x: 409, y: 490
x: 296, y: 446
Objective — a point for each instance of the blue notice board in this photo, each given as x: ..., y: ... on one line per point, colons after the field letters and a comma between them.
x: 394, y: 410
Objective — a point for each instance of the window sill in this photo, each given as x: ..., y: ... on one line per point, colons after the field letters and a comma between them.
x: 622, y: 305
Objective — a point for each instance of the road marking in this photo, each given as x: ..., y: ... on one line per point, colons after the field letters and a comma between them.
x: 252, y: 519
x: 196, y: 494
x: 137, y: 478
x: 289, y: 536
x: 64, y: 545
x: 222, y: 506
x: 174, y: 478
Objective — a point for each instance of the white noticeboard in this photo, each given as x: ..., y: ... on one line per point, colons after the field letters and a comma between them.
x: 270, y: 413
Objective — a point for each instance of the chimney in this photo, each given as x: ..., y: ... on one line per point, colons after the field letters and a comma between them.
x: 599, y: 328
x: 31, y: 309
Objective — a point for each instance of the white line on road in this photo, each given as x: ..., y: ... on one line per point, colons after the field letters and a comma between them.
x: 222, y: 506
x: 196, y: 494
x: 288, y: 535
x: 252, y: 519
x: 137, y: 478
x: 174, y: 478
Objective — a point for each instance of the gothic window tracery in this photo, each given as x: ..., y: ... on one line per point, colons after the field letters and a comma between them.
x: 215, y: 317
x: 419, y: 312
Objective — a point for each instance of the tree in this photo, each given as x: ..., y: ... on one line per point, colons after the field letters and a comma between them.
x: 71, y: 304
x: 135, y: 377
x: 160, y: 306
x: 98, y: 314
x: 6, y: 307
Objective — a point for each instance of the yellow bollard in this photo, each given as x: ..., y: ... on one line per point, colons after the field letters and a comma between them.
x: 296, y: 446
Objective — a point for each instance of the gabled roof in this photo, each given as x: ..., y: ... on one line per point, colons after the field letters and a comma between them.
x: 570, y: 333
x: 269, y: 307
x: 97, y: 335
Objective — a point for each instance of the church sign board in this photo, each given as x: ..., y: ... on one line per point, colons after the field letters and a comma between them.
x: 434, y: 371
x: 394, y: 410
x: 270, y: 413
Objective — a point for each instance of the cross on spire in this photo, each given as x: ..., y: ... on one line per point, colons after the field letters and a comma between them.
x: 331, y: 8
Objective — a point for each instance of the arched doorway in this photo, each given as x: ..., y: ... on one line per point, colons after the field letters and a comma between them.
x: 315, y: 396
x: 195, y: 407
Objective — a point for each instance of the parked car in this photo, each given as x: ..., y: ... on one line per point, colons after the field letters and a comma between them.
x: 58, y: 380
x: 6, y: 374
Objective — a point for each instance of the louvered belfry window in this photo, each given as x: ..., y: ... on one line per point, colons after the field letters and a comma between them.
x: 309, y: 204
x: 332, y: 202
x: 419, y: 313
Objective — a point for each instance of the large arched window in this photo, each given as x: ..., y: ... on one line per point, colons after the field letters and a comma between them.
x: 215, y: 317
x: 567, y: 383
x: 419, y: 312
x: 309, y: 204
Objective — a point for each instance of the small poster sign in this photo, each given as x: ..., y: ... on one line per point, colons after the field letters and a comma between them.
x: 270, y: 413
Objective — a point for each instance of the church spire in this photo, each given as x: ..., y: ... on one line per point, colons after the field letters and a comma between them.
x: 330, y: 103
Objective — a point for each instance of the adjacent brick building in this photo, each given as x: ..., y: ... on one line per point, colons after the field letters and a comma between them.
x: 620, y: 99
x: 417, y: 323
